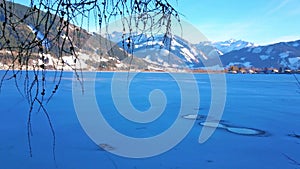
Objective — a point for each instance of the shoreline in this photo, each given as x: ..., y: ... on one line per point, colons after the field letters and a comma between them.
x: 147, y: 71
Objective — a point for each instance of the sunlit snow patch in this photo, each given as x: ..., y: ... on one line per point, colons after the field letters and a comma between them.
x: 264, y: 57
x: 194, y: 117
x: 296, y: 44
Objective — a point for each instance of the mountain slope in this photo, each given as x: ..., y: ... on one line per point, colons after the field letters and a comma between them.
x: 284, y: 54
x: 172, y: 51
x: 94, y: 51
x: 224, y: 47
x: 231, y: 45
x: 168, y: 51
x: 139, y: 52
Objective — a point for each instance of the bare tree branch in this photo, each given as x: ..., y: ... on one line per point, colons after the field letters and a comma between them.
x: 48, y: 27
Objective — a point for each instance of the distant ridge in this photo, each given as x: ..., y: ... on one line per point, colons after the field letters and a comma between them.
x: 279, y: 55
x: 231, y: 52
x: 153, y: 53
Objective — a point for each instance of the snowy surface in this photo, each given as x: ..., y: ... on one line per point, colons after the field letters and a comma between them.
x: 246, y: 64
x: 264, y: 57
x: 296, y: 44
x: 187, y: 54
x: 269, y: 50
x: 294, y: 60
x: 264, y: 102
x: 231, y: 45
x: 284, y: 55
x: 257, y: 50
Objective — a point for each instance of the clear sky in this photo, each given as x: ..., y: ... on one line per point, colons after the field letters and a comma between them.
x: 258, y: 21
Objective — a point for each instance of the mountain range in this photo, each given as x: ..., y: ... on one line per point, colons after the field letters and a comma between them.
x: 224, y: 47
x: 173, y: 51
x: 283, y: 54
x: 118, y: 51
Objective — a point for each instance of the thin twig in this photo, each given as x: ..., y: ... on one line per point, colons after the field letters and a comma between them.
x: 291, y: 159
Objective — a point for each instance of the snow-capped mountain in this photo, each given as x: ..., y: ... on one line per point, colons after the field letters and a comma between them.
x: 173, y: 51
x: 165, y: 50
x: 231, y: 45
x: 284, y: 54
x: 224, y: 47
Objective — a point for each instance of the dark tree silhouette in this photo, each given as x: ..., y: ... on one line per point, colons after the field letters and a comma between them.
x: 47, y: 21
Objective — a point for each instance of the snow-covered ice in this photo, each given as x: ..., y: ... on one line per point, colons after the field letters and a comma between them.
x: 267, y: 103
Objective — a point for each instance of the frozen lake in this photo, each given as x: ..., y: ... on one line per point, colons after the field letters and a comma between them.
x: 266, y: 103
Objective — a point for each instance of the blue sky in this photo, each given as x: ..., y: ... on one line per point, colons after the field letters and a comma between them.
x: 258, y: 21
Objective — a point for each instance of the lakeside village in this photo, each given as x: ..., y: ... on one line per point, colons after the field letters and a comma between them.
x: 230, y: 70
x: 253, y: 70
x: 113, y: 64
x: 234, y: 70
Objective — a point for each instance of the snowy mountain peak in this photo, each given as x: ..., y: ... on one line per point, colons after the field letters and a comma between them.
x: 230, y: 41
x: 227, y: 46
x: 161, y: 49
x: 173, y: 51
x: 169, y: 51
x: 231, y: 45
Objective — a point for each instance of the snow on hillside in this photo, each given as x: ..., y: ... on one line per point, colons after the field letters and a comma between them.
x: 284, y: 55
x: 231, y: 52
x: 163, y: 50
x: 224, y: 47
x: 231, y: 45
